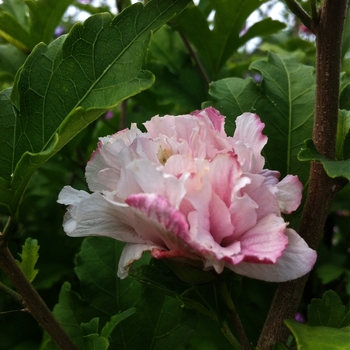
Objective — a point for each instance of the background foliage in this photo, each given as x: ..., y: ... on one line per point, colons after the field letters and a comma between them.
x: 59, y: 95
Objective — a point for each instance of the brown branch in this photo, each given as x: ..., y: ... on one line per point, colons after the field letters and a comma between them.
x: 32, y: 300
x: 322, y: 189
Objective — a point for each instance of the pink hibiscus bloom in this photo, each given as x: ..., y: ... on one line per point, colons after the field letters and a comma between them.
x: 185, y: 190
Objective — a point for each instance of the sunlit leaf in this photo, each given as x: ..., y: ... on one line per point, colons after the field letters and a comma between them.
x: 319, y: 338
x: 29, y: 257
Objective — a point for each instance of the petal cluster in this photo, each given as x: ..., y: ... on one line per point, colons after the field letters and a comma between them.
x: 185, y: 190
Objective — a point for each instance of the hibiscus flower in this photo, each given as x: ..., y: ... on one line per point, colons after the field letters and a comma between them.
x: 185, y: 190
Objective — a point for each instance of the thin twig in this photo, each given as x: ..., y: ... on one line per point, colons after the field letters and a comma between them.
x: 11, y: 293
x: 300, y: 13
x: 195, y: 57
x: 10, y: 225
x: 314, y: 14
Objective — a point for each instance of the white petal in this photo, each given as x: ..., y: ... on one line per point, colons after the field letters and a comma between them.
x: 131, y: 253
x: 296, y: 261
x: 71, y: 196
x: 289, y: 194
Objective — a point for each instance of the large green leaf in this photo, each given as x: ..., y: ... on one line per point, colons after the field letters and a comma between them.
x: 65, y: 86
x: 159, y: 322
x: 319, y: 338
x: 286, y: 106
x: 284, y: 102
x: 333, y: 168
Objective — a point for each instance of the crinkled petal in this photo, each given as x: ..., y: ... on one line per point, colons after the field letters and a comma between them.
x: 266, y: 241
x: 217, y: 120
x: 296, y: 261
x: 289, y: 194
x: 248, y: 141
x: 155, y: 214
x: 141, y: 176
x: 131, y: 253
x: 96, y: 215
x: 107, y: 155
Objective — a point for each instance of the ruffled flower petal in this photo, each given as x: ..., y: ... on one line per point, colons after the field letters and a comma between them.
x: 248, y: 141
x: 296, y: 261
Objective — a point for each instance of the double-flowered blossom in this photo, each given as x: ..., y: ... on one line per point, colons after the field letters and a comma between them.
x: 185, y: 190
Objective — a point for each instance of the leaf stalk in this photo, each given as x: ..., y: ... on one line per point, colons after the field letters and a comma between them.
x: 226, y: 296
x: 300, y: 13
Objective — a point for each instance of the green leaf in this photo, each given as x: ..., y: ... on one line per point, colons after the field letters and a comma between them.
x: 14, y: 24
x: 333, y: 168
x: 343, y: 129
x: 17, y: 9
x: 65, y: 86
x: 159, y: 322
x: 217, y: 45
x: 286, y: 107
x: 45, y: 16
x: 7, y: 122
x: 96, y: 268
x: 90, y: 327
x: 319, y: 338
x: 260, y: 29
x: 328, y: 311
x: 329, y: 272
x: 115, y: 320
x: 344, y: 101
x: 29, y: 258
x: 11, y: 59
x: 95, y: 342
x: 70, y: 311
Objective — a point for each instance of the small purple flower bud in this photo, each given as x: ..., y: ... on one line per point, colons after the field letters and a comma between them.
x: 59, y: 31
x: 109, y: 115
x: 299, y: 317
